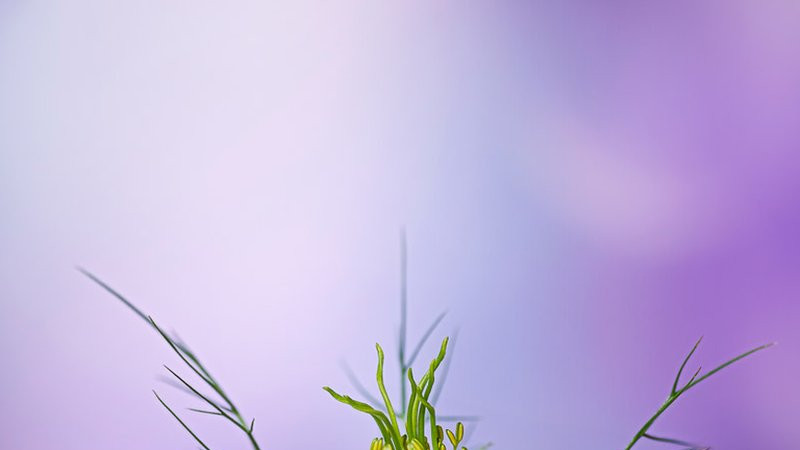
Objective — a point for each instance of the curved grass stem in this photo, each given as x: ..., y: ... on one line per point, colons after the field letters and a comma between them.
x: 676, y: 392
x: 229, y: 410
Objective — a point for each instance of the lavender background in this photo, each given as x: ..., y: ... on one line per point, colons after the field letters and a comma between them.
x: 587, y: 187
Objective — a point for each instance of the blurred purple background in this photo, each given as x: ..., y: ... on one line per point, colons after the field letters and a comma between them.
x: 587, y: 187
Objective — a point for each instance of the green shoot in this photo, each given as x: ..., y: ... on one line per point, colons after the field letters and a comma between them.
x: 382, y: 388
x: 415, y: 410
x: 388, y: 434
x: 405, y: 359
x: 678, y: 390
x: 415, y: 436
x: 226, y: 409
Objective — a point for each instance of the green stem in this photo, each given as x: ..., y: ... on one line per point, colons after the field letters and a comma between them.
x: 403, y: 319
x: 253, y: 441
x: 642, y: 431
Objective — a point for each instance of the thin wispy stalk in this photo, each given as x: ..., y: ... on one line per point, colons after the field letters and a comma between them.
x: 401, y: 351
x: 226, y: 408
x: 405, y: 358
x: 670, y: 441
x: 457, y: 418
x: 677, y: 391
x: 183, y: 424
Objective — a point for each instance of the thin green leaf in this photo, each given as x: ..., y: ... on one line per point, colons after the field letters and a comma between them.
x: 186, y: 427
x: 668, y: 440
x: 177, y: 385
x: 379, y: 417
x: 722, y: 366
x: 426, y: 384
x: 186, y: 355
x: 696, y: 373
x: 675, y: 394
x: 384, y: 394
x: 425, y: 337
x: 203, y: 411
x: 449, y: 419
x: 432, y: 412
x: 113, y: 292
x: 206, y: 399
x: 685, y: 360
x: 193, y: 358
x: 445, y: 368
x: 179, y: 353
x: 175, y: 345
x: 198, y: 372
x: 437, y: 361
x: 401, y: 353
x: 411, y: 420
x: 362, y: 390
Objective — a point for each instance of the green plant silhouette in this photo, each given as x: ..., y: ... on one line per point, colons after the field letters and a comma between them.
x: 225, y: 408
x: 416, y: 408
x: 414, y: 436
x: 417, y: 411
x: 677, y: 391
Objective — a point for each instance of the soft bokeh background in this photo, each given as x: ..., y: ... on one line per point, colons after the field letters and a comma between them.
x: 587, y: 188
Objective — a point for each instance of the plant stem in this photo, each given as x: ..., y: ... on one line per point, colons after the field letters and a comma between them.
x: 676, y: 392
x: 403, y: 318
x: 191, y: 360
x: 253, y: 441
x: 642, y: 431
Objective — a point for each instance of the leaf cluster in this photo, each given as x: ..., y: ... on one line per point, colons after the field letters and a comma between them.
x: 419, y: 413
x: 416, y: 408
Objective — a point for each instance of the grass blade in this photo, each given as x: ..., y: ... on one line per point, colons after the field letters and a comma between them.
x: 458, y: 418
x: 724, y: 365
x: 676, y: 393
x: 188, y: 357
x: 685, y: 360
x: 203, y: 411
x: 669, y: 440
x: 401, y: 352
x: 362, y: 390
x: 424, y: 339
x: 183, y: 424
x: 206, y: 399
x: 113, y: 292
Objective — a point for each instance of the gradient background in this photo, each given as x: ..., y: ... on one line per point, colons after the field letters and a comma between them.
x: 587, y: 187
